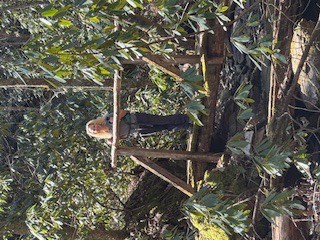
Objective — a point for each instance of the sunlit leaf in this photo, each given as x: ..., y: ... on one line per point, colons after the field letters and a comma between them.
x: 49, y: 13
x: 65, y: 23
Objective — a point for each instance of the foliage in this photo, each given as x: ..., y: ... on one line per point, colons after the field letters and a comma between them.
x: 276, y: 204
x: 270, y: 159
x: 242, y: 99
x: 257, y: 49
x: 87, y: 39
x: 176, y: 234
x: 213, y: 208
x: 63, y: 175
x: 5, y: 189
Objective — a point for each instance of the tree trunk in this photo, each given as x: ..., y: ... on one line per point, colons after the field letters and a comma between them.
x: 286, y: 15
x: 284, y: 228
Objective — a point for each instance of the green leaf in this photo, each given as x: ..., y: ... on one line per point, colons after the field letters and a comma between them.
x: 209, y: 200
x: 65, y: 23
x: 248, y: 100
x: 240, y: 3
x: 118, y: 5
x: 94, y: 19
x: 45, y: 22
x: 246, y: 114
x: 135, y: 4
x: 237, y: 141
x: 281, y: 58
x: 242, y: 39
x: 242, y: 48
x: 265, y: 145
x: 242, y: 95
x: 59, y: 79
x: 51, y: 59
x: 191, y: 75
x: 194, y: 117
x: 49, y: 13
x: 223, y: 9
x: 83, y: 3
x: 195, y: 105
x: 255, y: 61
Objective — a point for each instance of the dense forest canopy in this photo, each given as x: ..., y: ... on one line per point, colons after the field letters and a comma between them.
x: 58, y: 59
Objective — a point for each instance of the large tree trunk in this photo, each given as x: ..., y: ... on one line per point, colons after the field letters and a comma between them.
x: 282, y: 85
x: 284, y: 228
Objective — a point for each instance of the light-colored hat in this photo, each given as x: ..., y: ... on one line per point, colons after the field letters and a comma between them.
x: 101, y: 121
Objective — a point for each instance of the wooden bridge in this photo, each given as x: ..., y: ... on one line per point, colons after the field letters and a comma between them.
x: 209, y: 60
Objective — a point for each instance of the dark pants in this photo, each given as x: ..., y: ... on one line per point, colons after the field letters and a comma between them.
x: 149, y: 124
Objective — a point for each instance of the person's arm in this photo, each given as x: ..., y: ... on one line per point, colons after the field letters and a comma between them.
x: 109, y: 141
x: 122, y: 113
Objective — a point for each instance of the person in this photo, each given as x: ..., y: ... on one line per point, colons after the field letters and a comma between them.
x: 136, y: 123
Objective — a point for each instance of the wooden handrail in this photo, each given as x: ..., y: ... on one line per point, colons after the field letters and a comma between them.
x: 173, y: 154
x: 116, y: 117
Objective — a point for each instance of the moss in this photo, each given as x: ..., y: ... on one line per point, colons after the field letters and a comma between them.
x: 208, y: 231
x: 222, y: 180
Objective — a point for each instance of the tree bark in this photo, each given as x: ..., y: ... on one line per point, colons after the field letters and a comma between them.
x: 284, y: 228
x: 285, y: 14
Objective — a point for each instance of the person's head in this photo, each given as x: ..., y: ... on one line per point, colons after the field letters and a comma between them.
x: 98, y: 129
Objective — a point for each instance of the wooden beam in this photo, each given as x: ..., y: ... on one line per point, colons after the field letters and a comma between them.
x: 116, y: 117
x: 158, y: 62
x: 164, y: 174
x: 173, y: 154
x: 177, y: 59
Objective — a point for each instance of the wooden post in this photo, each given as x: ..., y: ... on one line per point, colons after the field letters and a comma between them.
x: 211, y: 77
x: 164, y: 174
x: 116, y: 117
x: 174, y: 154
